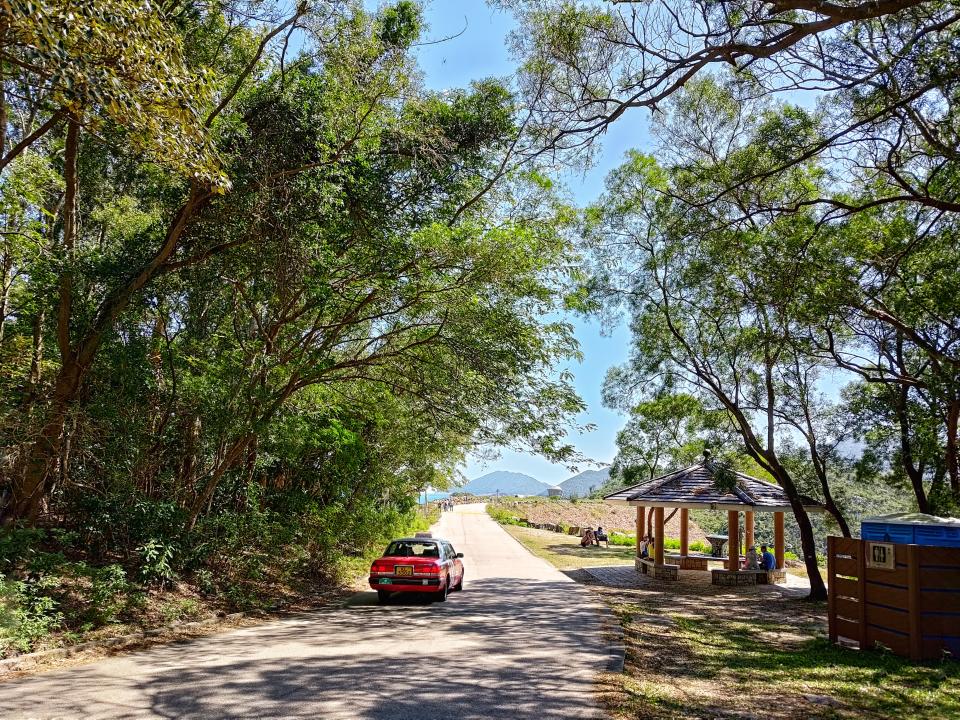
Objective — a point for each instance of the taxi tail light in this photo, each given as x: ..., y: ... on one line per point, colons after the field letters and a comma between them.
x: 430, y: 569
x: 380, y: 568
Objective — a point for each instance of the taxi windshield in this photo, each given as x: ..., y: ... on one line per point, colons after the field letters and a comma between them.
x: 412, y: 548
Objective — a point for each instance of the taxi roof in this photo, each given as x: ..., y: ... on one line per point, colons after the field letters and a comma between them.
x: 419, y: 540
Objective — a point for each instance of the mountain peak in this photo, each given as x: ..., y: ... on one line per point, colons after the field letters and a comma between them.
x: 582, y: 484
x: 505, y: 483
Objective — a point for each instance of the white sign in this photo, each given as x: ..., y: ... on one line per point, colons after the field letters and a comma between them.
x: 881, y: 556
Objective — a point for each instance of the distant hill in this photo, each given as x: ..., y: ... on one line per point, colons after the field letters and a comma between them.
x: 506, y: 483
x: 582, y: 484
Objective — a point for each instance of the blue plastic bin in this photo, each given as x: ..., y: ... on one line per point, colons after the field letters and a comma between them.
x: 888, y: 532
x: 912, y: 529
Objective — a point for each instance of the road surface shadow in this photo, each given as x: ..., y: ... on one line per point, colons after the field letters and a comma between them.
x: 516, y: 649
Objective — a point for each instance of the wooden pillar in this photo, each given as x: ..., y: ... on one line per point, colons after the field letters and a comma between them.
x: 733, y: 540
x: 684, y: 531
x: 658, y: 517
x: 641, y: 516
x: 748, y: 540
x: 778, y: 538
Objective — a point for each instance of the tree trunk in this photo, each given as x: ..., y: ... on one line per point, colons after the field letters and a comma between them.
x: 818, y: 590
x: 821, y: 469
x: 836, y: 513
x: 906, y: 449
x: 36, y: 357
x: 30, y: 489
x: 229, y: 460
x: 29, y: 492
x: 5, y: 270
x: 767, y: 458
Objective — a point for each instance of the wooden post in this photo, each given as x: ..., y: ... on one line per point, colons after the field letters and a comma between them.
x: 862, y: 592
x: 641, y: 516
x: 684, y: 531
x: 831, y: 590
x: 733, y: 540
x: 658, y: 515
x: 913, y: 601
x: 778, y: 539
x: 748, y: 541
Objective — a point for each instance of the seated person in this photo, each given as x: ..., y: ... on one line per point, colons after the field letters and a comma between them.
x: 600, y: 536
x: 752, y: 559
x: 767, y: 560
x: 588, y: 538
x: 645, y: 548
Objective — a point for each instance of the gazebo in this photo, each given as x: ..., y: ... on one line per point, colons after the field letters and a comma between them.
x: 695, y: 488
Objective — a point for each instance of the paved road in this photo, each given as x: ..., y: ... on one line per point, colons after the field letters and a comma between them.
x: 521, y: 641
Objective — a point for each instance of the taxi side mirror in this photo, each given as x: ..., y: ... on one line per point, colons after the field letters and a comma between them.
x: 459, y: 555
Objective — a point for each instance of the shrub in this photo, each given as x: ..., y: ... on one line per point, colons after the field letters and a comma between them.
x: 27, y: 613
x: 156, y: 560
x: 502, y: 516
x: 110, y: 594
x: 18, y: 547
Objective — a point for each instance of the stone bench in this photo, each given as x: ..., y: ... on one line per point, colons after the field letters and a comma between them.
x: 690, y: 562
x: 660, y: 572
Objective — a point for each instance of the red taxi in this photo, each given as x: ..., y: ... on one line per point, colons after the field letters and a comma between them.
x: 418, y: 564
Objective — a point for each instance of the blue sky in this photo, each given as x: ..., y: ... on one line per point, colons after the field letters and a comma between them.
x: 480, y: 52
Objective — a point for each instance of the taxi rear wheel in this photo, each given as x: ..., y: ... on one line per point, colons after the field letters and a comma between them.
x: 383, y: 596
x: 442, y: 595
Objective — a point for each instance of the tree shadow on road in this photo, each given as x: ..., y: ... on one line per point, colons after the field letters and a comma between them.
x: 511, y: 648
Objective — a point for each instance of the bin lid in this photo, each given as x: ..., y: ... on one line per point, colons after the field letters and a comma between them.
x: 912, y: 519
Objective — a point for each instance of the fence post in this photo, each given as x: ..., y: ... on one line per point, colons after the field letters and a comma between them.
x: 913, y: 595
x: 862, y: 591
x: 831, y: 589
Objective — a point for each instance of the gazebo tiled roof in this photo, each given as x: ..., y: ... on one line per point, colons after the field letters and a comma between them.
x: 693, y: 488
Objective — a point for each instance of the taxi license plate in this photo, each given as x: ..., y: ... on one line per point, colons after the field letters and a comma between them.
x: 403, y: 570
x: 385, y: 581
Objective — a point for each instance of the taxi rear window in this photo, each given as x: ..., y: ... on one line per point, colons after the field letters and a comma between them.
x: 412, y: 548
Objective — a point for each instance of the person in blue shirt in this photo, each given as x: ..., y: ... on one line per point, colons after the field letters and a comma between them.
x: 767, y: 560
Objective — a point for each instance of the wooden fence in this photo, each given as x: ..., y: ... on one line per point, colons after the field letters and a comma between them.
x: 904, y: 597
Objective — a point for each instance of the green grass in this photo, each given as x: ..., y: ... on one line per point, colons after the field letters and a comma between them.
x: 564, y: 551
x: 742, y: 654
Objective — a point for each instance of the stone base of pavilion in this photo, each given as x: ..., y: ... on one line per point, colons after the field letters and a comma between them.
x: 660, y: 572
x: 727, y: 578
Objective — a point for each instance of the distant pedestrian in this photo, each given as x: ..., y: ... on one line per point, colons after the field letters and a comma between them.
x: 588, y: 538
x: 601, y: 537
x: 767, y: 560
